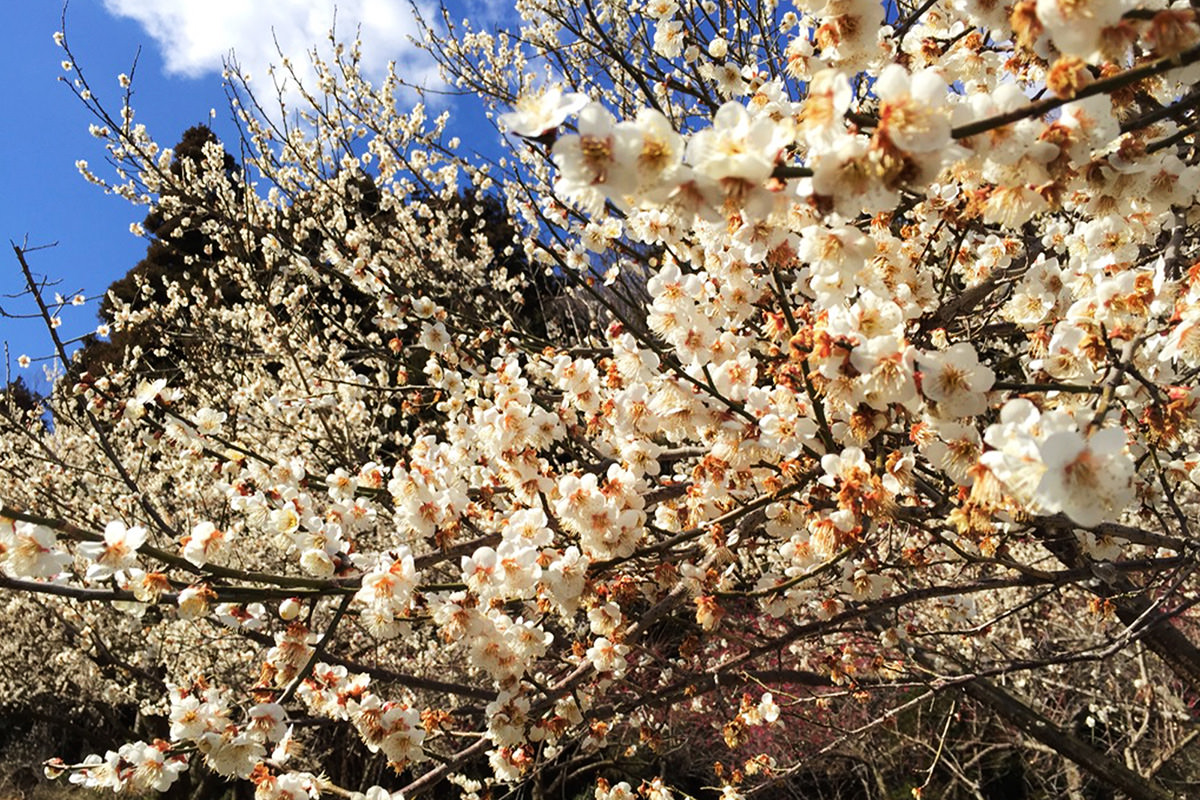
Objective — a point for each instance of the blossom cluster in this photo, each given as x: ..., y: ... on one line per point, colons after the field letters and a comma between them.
x: 821, y: 354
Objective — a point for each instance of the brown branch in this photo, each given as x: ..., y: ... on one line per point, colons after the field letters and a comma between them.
x: 318, y: 649
x: 1141, y: 617
x: 1104, y: 86
x: 101, y: 437
x: 911, y: 20
x: 75, y: 532
x: 72, y: 592
x: 1111, y: 773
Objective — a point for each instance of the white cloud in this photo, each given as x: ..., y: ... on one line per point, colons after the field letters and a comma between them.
x: 197, y: 36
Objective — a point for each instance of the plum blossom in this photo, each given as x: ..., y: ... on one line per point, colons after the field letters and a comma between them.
x: 955, y: 449
x: 608, y: 518
x: 565, y: 578
x: 955, y: 380
x: 537, y: 113
x: 1088, y: 479
x: 147, y: 587
x: 607, y: 656
x: 232, y: 752
x: 847, y: 31
x: 1076, y: 26
x: 1093, y: 121
x: 28, y: 550
x: 135, y: 768
x: 912, y: 113
x: 194, y: 601
x: 668, y: 37
x: 660, y: 151
x: 268, y: 720
x: 1049, y: 466
x: 194, y: 713
x: 739, y: 146
x: 502, y: 646
x: 822, y: 118
x: 288, y: 786
x: 599, y: 160
x: 1015, y: 458
x: 392, y: 727
x: 862, y: 584
x: 204, y: 542
x: 849, y: 174
x: 251, y: 617
x: 1183, y: 342
x: 768, y: 710
x: 116, y: 553
x: 620, y: 791
x: 209, y: 421
x: 387, y: 589
x: 530, y: 526
x: 604, y: 619
x: 147, y: 392
x: 1066, y: 358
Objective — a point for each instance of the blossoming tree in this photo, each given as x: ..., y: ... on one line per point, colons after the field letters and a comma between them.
x: 864, y: 410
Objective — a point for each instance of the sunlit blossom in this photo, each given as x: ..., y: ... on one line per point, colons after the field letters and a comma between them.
x: 117, y: 551
x: 955, y: 380
x: 539, y: 112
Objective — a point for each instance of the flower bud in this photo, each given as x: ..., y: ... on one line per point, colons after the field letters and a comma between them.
x: 289, y: 609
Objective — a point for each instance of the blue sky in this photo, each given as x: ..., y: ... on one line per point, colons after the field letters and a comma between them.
x: 43, y: 131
